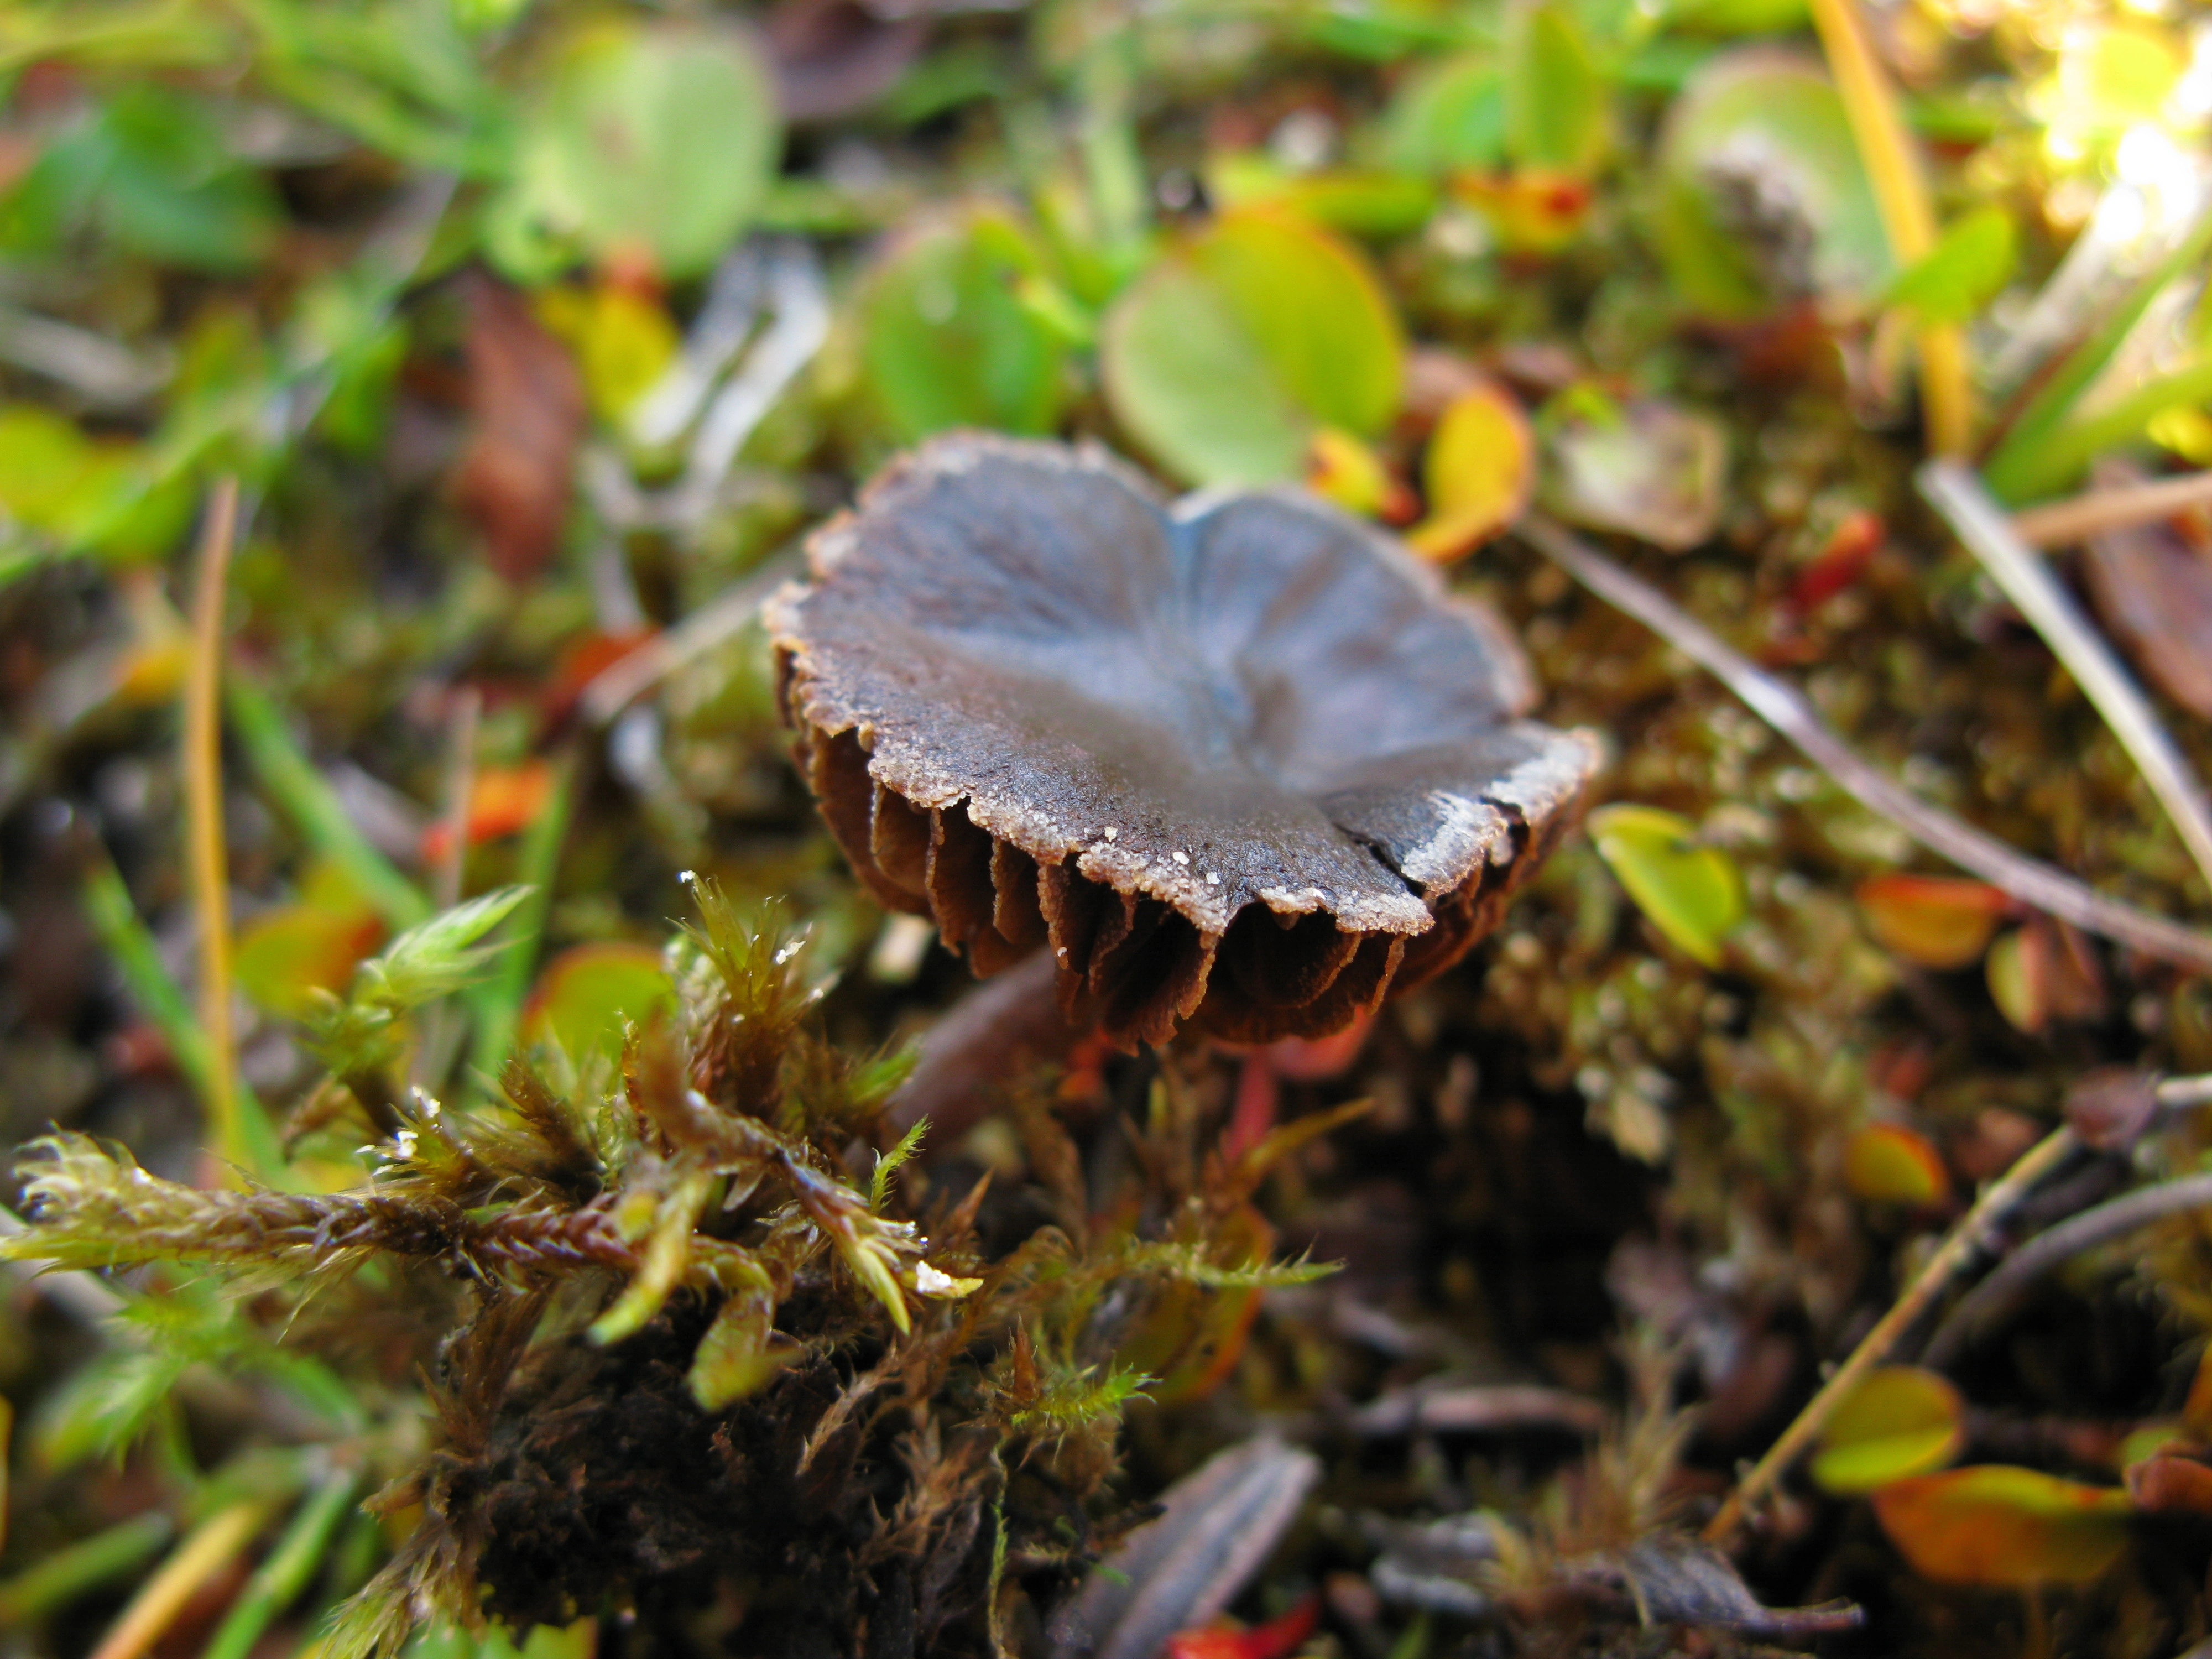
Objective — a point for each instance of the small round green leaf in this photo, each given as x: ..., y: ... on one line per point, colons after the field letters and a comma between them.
x: 1227, y: 355
x: 1900, y: 1421
x: 1692, y: 894
x: 945, y: 338
x: 651, y: 140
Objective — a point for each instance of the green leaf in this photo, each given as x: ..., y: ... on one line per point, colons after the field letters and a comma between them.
x: 651, y: 140
x: 438, y: 957
x: 1448, y: 117
x: 1758, y: 125
x: 1962, y: 272
x: 887, y: 1164
x: 1900, y: 1421
x: 946, y: 339
x: 1227, y: 355
x: 1555, y: 100
x: 1692, y: 894
x: 734, y: 1359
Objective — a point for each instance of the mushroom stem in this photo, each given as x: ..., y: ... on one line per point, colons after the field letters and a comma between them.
x: 1006, y: 1022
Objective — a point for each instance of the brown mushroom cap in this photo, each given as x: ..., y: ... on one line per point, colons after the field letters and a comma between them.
x: 1238, y: 760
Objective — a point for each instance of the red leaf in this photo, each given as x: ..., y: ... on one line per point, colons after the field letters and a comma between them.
x: 502, y: 801
x: 528, y: 405
x: 1274, y: 1640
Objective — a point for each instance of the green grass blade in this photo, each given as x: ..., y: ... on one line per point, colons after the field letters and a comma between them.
x: 306, y: 797
x: 115, y: 918
x: 2015, y: 471
x: 66, y: 1574
x: 2056, y: 460
x: 277, y: 1581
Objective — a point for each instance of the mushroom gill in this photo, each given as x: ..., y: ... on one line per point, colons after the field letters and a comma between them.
x: 1237, y: 760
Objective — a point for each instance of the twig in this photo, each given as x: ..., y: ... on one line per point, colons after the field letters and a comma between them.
x: 2032, y: 883
x: 1963, y: 1239
x: 202, y: 768
x: 1981, y: 524
x: 2060, y: 524
x: 205, y: 1553
x: 1995, y: 1296
x: 2177, y: 1092
x: 1900, y: 192
x: 622, y: 681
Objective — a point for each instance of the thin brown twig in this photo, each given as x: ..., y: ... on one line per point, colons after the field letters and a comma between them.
x: 2178, y: 1092
x: 1982, y: 525
x: 209, y: 868
x: 1999, y: 1196
x: 1994, y: 1295
x: 2035, y: 883
x: 2060, y: 524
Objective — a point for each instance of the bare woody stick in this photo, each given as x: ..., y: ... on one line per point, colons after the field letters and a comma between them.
x: 1952, y: 1254
x: 1988, y: 535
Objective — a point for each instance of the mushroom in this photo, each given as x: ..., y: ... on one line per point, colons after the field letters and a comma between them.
x: 1237, y: 760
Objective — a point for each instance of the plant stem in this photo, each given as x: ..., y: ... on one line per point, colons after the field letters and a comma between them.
x: 115, y: 918
x: 1990, y: 1299
x: 1999, y: 1196
x: 537, y: 863
x: 210, y: 877
x: 1900, y: 192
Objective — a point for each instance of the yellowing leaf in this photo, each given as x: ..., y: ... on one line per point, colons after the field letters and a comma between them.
x: 286, y: 955
x: 1938, y: 922
x: 1532, y: 210
x: 1342, y: 469
x: 1692, y: 894
x: 587, y: 993
x: 1480, y: 464
x: 2004, y: 1527
x: 624, y: 339
x: 1884, y: 1164
x: 1901, y: 1421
